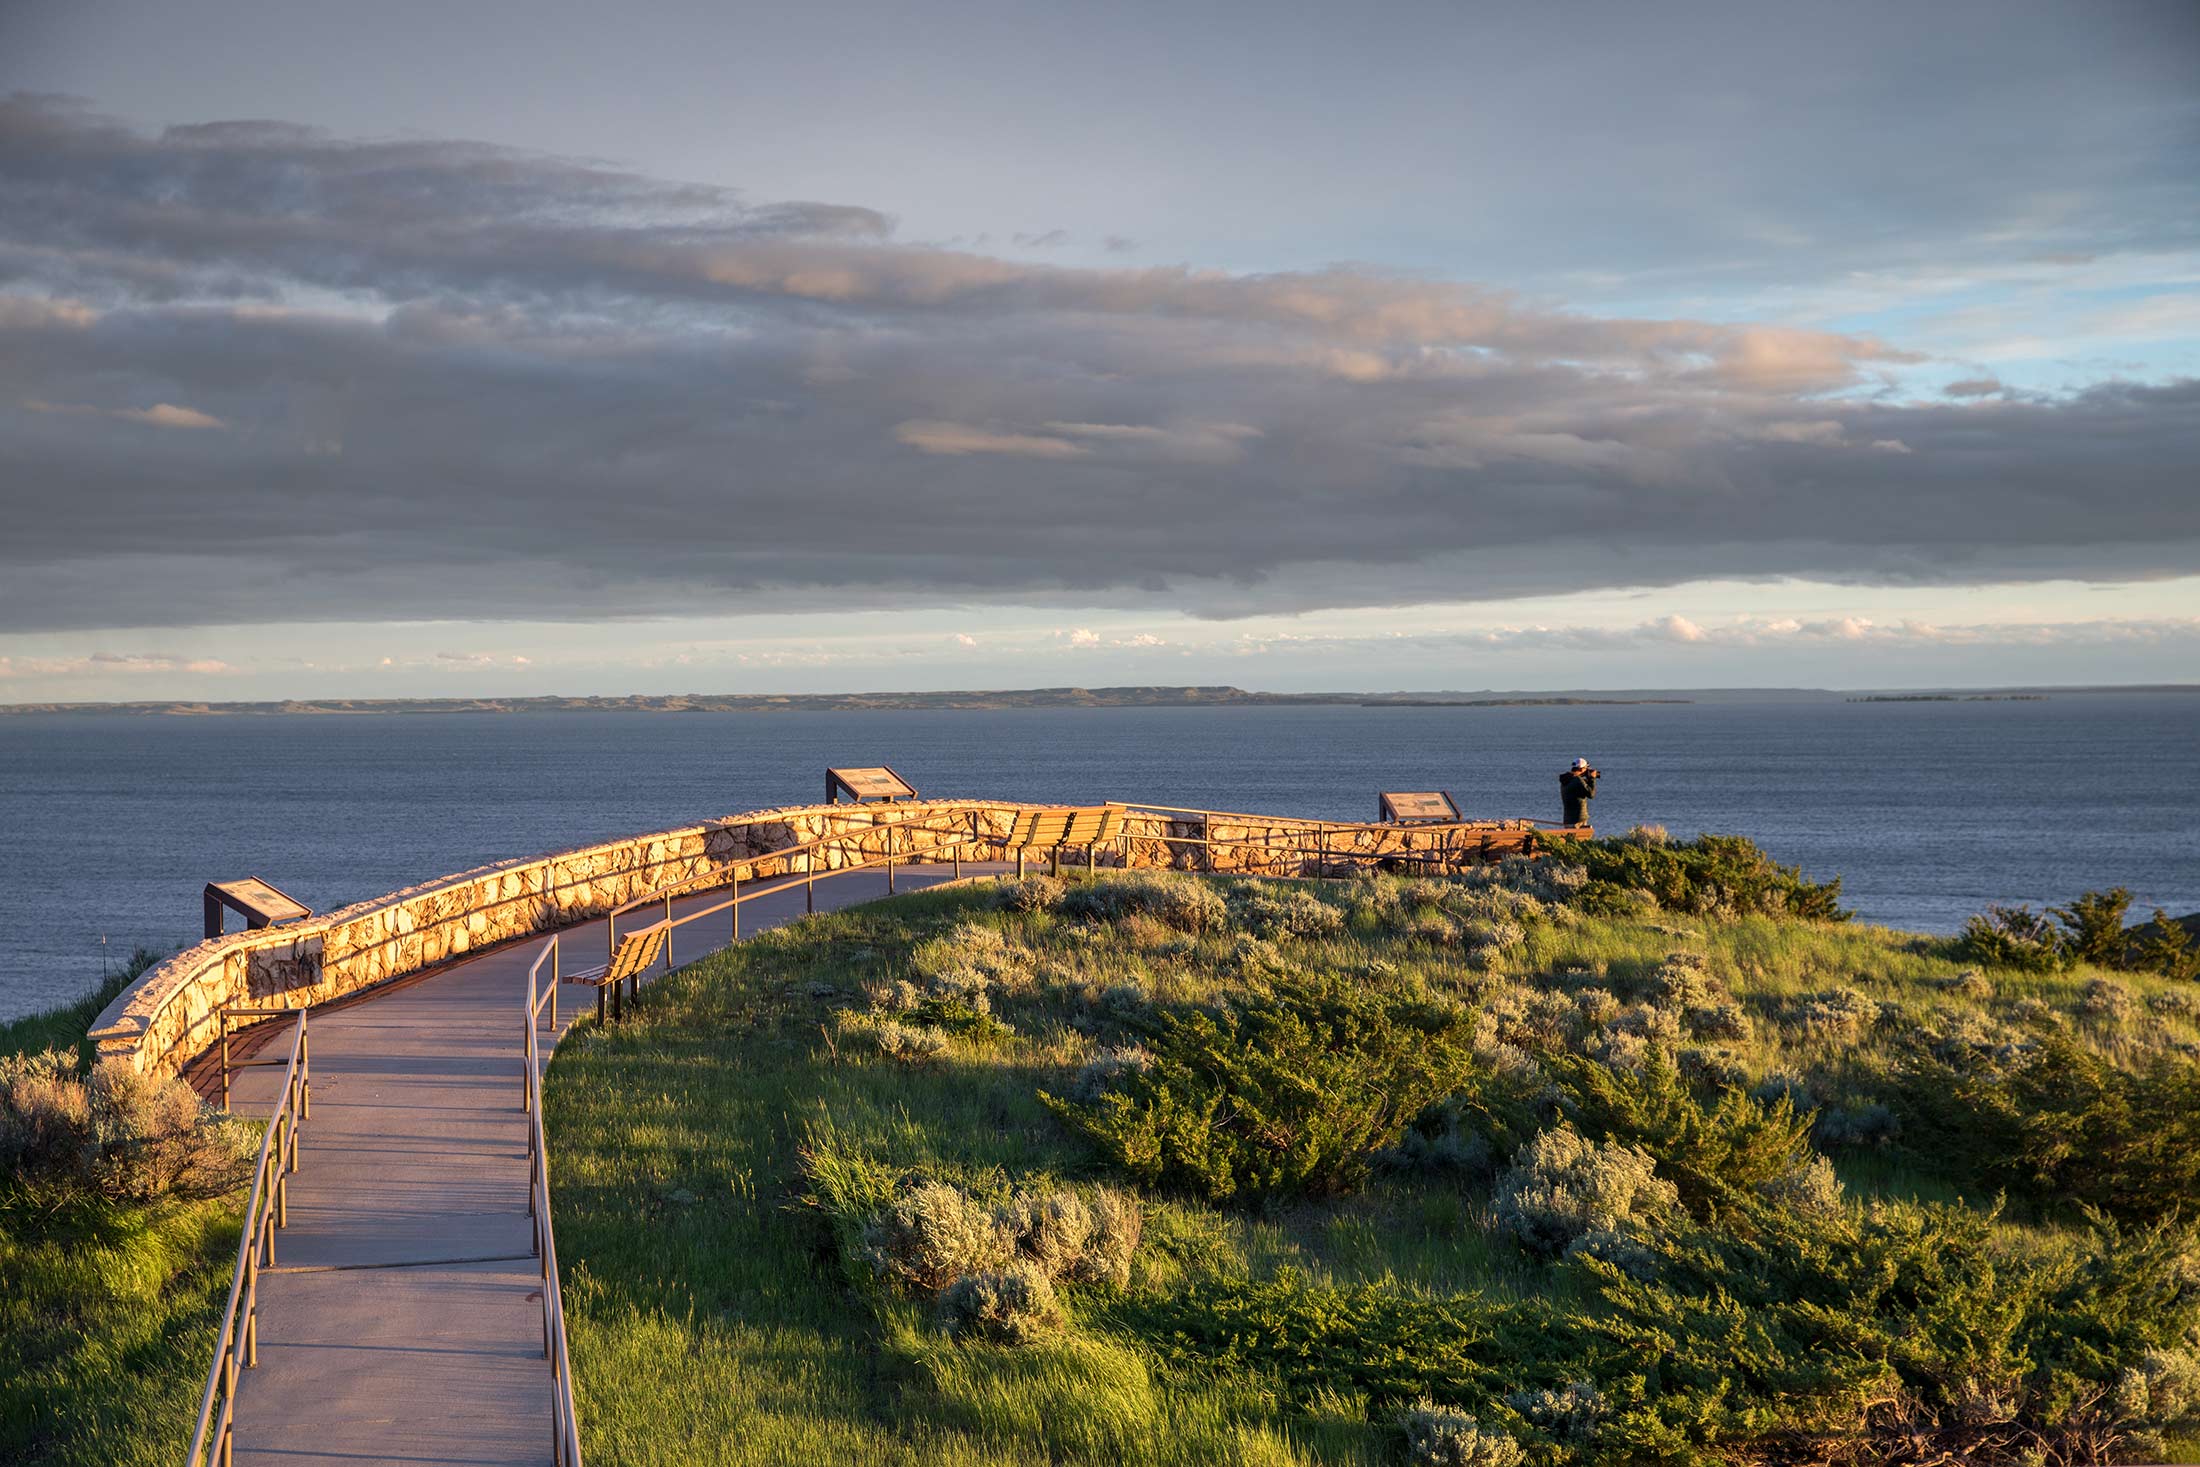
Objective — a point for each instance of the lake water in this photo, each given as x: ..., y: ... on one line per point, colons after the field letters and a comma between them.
x: 109, y: 825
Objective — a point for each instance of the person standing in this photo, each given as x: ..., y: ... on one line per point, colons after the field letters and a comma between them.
x: 1576, y: 788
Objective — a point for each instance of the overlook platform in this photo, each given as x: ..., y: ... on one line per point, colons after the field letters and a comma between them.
x: 402, y: 1320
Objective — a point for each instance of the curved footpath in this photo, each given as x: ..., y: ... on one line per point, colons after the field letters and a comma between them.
x: 402, y: 1321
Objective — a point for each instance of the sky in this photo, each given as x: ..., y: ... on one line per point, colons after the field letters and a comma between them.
x: 412, y: 350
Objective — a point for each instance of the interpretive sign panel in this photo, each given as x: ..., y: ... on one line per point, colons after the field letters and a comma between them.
x: 257, y: 901
x: 1405, y: 807
x: 862, y: 785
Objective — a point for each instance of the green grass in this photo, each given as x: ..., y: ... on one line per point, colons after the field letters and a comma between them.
x: 107, y: 1312
x: 713, y: 1321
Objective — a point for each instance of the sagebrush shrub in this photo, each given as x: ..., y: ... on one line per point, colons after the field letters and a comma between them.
x: 1837, y: 1014
x: 933, y: 1233
x: 1117, y: 1225
x: 1564, y: 1185
x: 913, y: 1043
x: 1012, y: 1305
x: 1291, y: 1092
x: 1438, y: 1436
x: 1033, y: 894
x: 115, y: 1134
x: 1972, y: 984
x: 1052, y: 1231
x: 1274, y: 911
x: 1570, y: 1413
x: 2106, y: 1001
x: 1723, y: 1019
x: 1184, y: 902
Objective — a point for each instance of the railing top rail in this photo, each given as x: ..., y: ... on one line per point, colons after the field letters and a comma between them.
x: 718, y: 872
x: 683, y: 918
x: 255, y: 1225
x: 1297, y: 822
x: 568, y: 1445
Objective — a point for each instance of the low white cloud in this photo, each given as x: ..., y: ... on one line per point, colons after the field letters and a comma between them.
x: 168, y: 415
x: 959, y: 438
x: 105, y: 664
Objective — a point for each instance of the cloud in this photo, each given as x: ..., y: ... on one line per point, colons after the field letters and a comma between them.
x: 104, y: 664
x: 160, y: 415
x: 168, y: 415
x: 964, y: 639
x: 569, y: 391
x: 957, y: 438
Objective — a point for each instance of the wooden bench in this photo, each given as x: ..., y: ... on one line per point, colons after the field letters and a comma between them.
x: 1050, y: 830
x: 629, y: 960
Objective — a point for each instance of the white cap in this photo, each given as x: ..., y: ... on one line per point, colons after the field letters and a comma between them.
x: 1581, y: 764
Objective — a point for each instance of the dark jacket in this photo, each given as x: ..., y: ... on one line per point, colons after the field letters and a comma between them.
x: 1577, y: 790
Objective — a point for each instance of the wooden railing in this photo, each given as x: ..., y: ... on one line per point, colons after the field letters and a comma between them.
x: 896, y: 842
x: 565, y: 1427
x: 238, y: 1347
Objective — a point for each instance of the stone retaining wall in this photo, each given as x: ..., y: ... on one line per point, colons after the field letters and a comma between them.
x: 171, y: 1013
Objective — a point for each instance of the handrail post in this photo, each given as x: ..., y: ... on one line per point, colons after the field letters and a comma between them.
x: 555, y: 980
x: 225, y: 1056
x: 668, y: 939
x: 737, y: 904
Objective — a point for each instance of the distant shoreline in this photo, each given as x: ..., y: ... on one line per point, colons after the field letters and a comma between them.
x: 1132, y: 697
x: 1009, y: 698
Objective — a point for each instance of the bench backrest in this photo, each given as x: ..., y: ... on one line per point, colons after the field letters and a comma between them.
x: 1044, y: 829
x: 634, y: 953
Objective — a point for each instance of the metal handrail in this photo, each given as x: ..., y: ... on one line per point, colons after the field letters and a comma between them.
x: 565, y: 1426
x: 238, y: 1347
x: 949, y: 841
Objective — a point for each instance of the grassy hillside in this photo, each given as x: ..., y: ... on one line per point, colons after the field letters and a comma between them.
x: 108, y: 1307
x: 1517, y: 1169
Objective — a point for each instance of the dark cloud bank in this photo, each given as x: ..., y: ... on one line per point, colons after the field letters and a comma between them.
x: 253, y: 372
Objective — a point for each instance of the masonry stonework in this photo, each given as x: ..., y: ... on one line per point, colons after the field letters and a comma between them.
x: 171, y: 1014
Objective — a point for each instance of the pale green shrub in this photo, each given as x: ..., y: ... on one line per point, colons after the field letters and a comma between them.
x: 117, y: 1134
x: 1487, y: 939
x: 1012, y: 1305
x: 1184, y: 902
x: 1722, y: 1019
x: 932, y: 1234
x: 2160, y: 1393
x: 1107, y: 1068
x: 891, y: 1037
x: 2175, y: 1004
x: 1810, y: 1187
x: 1438, y: 1436
x: 1032, y: 894
x: 1117, y: 1224
x: 1837, y: 1014
x: 2106, y: 1002
x: 1052, y: 1231
x: 1274, y: 911
x: 1564, y: 1185
x: 1865, y: 1123
x: 1971, y: 983
x: 1684, y: 980
x: 1570, y: 1413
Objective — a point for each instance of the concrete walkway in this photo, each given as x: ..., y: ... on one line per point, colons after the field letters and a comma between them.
x: 402, y: 1321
